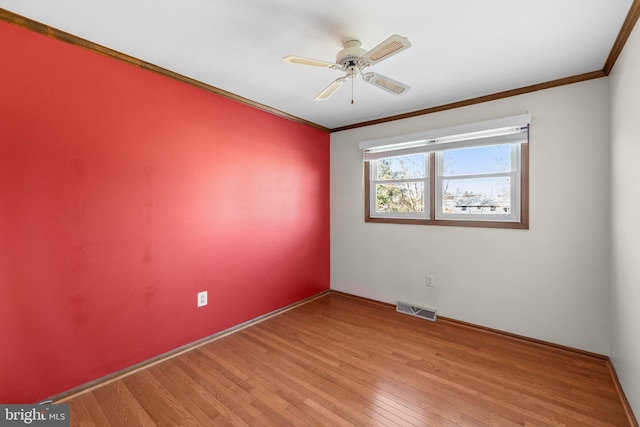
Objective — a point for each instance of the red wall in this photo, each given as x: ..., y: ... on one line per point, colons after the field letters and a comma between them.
x: 122, y: 194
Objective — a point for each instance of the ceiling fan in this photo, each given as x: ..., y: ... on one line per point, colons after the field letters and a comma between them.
x: 353, y: 60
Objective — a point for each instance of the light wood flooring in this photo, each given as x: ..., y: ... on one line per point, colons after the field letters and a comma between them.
x: 340, y: 360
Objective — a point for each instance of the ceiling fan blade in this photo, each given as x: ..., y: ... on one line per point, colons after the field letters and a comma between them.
x: 292, y: 59
x: 325, y: 94
x: 389, y: 47
x: 392, y: 86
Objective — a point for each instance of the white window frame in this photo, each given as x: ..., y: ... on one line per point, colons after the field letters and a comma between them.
x: 510, y: 130
x: 425, y: 180
x: 514, y: 176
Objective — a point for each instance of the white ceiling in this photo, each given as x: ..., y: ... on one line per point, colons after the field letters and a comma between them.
x: 461, y: 49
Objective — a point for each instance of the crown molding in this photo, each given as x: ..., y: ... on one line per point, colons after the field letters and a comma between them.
x: 623, y: 36
x: 479, y: 100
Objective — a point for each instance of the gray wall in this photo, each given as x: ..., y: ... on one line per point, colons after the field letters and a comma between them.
x: 625, y: 289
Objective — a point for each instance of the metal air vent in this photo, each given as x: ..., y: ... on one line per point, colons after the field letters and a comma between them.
x: 414, y: 310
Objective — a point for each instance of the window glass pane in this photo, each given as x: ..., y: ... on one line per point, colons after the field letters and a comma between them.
x: 402, y: 167
x: 477, y: 196
x: 403, y: 197
x: 494, y: 158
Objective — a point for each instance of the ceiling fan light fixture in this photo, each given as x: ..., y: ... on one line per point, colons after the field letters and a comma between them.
x: 353, y: 71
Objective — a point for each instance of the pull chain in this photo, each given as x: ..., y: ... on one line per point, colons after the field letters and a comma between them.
x: 352, y: 90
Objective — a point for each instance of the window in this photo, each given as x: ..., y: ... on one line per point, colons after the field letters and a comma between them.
x: 470, y: 175
x: 400, y: 184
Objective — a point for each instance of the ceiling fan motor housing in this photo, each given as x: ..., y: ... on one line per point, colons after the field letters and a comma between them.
x: 351, y: 55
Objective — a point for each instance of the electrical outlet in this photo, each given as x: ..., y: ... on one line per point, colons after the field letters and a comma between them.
x: 202, y: 298
x: 431, y: 281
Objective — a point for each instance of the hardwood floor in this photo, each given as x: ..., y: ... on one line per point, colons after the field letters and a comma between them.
x: 341, y: 360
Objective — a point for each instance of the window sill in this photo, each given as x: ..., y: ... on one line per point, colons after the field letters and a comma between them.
x: 522, y: 225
